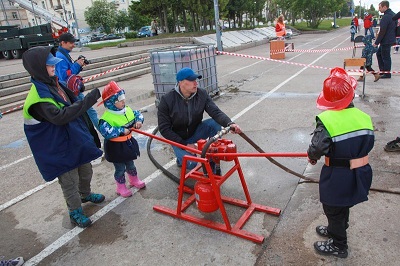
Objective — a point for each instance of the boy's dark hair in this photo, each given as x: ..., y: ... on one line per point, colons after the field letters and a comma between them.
x: 384, y: 3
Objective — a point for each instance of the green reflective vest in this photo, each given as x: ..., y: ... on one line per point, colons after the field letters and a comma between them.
x: 346, y: 123
x: 118, y: 120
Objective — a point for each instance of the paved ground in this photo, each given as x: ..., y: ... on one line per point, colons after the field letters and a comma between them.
x: 274, y: 102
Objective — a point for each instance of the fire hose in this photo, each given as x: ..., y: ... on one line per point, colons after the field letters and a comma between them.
x: 257, y: 148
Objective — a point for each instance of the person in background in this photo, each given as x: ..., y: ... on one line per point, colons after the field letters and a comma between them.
x: 68, y: 67
x: 374, y: 22
x: 345, y: 136
x: 396, y: 18
x: 385, y: 39
x: 180, y: 115
x: 360, y: 24
x: 355, y: 20
x: 280, y: 27
x: 57, y: 128
x: 353, y: 31
x: 368, y: 24
x: 119, y: 146
x: 367, y: 52
x: 154, y: 28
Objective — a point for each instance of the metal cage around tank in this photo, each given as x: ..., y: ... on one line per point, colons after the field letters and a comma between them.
x: 166, y: 62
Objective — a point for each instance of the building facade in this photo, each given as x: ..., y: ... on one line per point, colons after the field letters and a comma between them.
x: 26, y: 13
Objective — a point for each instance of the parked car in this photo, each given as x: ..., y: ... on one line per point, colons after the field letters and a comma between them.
x: 144, y: 32
x: 111, y: 37
x: 97, y: 37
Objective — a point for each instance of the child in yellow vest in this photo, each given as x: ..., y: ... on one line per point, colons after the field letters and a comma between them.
x: 120, y: 147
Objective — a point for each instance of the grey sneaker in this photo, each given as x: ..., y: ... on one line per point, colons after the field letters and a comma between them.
x: 13, y: 262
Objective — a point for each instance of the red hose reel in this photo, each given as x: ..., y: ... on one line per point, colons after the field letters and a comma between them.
x: 207, y: 193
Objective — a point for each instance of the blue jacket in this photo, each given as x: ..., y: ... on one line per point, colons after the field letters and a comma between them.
x: 57, y: 134
x: 387, y: 30
x: 340, y: 185
x: 67, y: 67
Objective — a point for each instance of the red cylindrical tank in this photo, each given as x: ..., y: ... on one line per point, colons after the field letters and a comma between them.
x: 205, y: 197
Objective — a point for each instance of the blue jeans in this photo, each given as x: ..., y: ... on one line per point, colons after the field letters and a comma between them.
x: 91, y: 112
x: 371, y: 30
x: 207, y: 128
x: 384, y: 59
x: 120, y: 169
x: 398, y: 43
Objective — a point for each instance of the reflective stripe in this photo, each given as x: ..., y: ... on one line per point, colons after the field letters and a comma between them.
x: 122, y: 138
x: 31, y: 121
x: 352, y: 135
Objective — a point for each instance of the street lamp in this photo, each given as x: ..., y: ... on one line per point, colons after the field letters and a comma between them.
x: 217, y: 29
x: 76, y: 23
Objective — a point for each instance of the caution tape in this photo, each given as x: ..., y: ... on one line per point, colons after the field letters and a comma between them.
x: 114, y: 69
x: 85, y: 80
x: 315, y: 51
x: 300, y: 64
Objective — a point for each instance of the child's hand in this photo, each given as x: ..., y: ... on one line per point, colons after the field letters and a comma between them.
x: 126, y: 131
x: 138, y: 125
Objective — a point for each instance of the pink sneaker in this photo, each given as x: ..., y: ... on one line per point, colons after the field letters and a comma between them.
x: 136, y: 182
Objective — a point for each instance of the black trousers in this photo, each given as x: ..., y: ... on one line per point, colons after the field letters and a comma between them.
x: 338, y: 222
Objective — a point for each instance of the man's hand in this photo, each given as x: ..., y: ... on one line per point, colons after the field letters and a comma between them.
x: 81, y: 62
x: 235, y: 129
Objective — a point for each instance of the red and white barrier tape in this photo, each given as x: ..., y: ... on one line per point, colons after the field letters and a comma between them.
x: 298, y: 64
x: 316, y: 51
x: 86, y: 80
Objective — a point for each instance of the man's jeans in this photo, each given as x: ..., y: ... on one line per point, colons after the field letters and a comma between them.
x: 371, y: 31
x: 91, y: 112
x: 384, y: 59
x: 207, y: 128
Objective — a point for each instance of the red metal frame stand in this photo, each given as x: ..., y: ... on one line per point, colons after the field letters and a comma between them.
x: 216, y: 182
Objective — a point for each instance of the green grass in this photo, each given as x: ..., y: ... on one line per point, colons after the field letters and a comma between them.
x: 325, y: 24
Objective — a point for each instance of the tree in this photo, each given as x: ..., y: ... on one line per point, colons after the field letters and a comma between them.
x: 314, y: 11
x: 101, y: 15
x: 122, y: 21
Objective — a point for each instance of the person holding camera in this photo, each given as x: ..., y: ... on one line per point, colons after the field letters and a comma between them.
x: 68, y: 68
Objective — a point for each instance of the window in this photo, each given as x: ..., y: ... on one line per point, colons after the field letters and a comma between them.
x: 14, y: 15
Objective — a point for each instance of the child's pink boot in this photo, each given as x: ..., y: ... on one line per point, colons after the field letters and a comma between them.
x: 123, y: 191
x: 136, y: 182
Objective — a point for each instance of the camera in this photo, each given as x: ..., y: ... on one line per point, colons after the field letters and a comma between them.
x: 87, y: 62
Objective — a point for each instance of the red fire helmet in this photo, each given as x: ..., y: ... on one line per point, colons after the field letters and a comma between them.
x: 338, y: 90
x: 110, y: 89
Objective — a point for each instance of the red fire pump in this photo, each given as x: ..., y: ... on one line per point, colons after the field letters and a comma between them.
x: 207, y: 192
